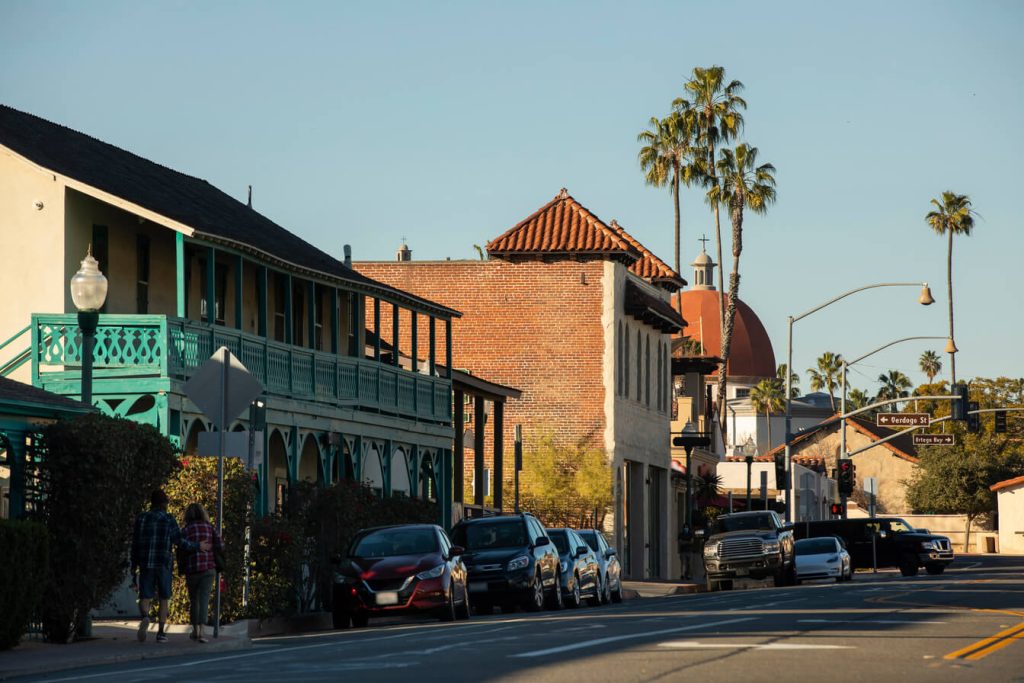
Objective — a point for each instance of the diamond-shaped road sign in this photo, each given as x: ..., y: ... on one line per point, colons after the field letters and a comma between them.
x: 222, y: 384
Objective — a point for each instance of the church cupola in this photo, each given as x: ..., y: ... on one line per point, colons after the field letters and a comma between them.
x: 703, y: 270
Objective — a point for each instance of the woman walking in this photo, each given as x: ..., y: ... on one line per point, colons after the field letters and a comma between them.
x: 200, y: 567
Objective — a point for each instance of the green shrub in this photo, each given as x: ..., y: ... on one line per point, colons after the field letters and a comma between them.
x: 96, y: 475
x: 24, y: 548
x: 196, y: 482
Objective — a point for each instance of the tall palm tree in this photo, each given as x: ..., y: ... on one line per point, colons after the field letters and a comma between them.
x: 826, y: 376
x: 952, y: 216
x: 930, y: 365
x: 894, y: 385
x: 668, y: 157
x: 744, y: 185
x: 768, y: 396
x: 794, y: 380
x: 716, y: 107
x: 857, y: 399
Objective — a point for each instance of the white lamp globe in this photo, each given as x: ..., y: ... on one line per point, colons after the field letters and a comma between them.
x: 89, y: 286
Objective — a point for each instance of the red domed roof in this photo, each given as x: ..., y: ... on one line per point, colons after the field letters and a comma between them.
x: 751, y: 354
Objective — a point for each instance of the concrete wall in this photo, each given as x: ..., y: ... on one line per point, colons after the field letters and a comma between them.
x: 1011, y: 520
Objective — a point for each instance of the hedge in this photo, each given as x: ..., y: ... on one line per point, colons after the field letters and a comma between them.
x: 24, y: 547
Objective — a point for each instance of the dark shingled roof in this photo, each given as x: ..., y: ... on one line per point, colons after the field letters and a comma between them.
x: 190, y: 201
x: 18, y: 393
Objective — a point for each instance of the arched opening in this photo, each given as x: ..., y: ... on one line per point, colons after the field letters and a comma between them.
x: 373, y: 473
x: 309, y: 461
x: 192, y: 440
x: 428, y: 485
x: 277, y: 471
x: 400, y: 472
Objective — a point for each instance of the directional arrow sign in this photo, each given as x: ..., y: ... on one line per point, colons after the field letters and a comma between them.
x: 934, y: 439
x: 222, y: 383
x: 902, y: 419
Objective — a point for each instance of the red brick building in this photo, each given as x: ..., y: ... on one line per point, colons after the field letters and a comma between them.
x: 574, y: 312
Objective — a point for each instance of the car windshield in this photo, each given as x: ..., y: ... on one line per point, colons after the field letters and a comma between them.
x: 590, y: 537
x: 816, y: 546
x: 742, y: 523
x: 395, y: 542
x: 488, y: 535
x: 898, y: 526
x: 561, y: 541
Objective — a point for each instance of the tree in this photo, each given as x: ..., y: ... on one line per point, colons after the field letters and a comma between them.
x: 744, y: 186
x: 566, y: 485
x: 955, y: 480
x: 857, y: 399
x: 930, y: 365
x: 894, y: 385
x: 952, y: 216
x: 794, y: 380
x: 826, y: 376
x: 668, y: 157
x: 768, y: 396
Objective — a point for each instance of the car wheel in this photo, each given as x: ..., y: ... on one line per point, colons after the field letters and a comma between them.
x: 360, y: 620
x: 535, y: 603
x: 464, y: 609
x: 908, y: 566
x: 617, y: 593
x: 555, y: 599
x: 781, y: 578
x: 606, y: 591
x: 448, y: 611
x: 575, y: 599
x: 935, y: 569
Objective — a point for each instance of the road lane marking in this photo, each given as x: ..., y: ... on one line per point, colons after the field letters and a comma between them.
x: 987, y: 646
x: 629, y: 636
x: 697, y: 645
x: 867, y: 621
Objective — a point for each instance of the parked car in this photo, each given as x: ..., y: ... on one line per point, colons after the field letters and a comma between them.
x: 398, y: 570
x: 609, y: 569
x: 578, y: 568
x: 749, y: 544
x: 511, y: 561
x: 823, y: 557
x: 885, y: 542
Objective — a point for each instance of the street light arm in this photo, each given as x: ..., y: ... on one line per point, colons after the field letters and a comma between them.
x: 892, y: 343
x: 854, y: 291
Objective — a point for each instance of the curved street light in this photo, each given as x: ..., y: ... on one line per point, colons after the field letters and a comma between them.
x: 925, y: 299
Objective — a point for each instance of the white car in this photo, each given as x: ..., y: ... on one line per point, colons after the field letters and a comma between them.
x: 824, y: 557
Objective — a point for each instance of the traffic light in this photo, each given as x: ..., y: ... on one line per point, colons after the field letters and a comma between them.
x: 780, y: 471
x: 973, y: 418
x: 847, y: 477
x: 1000, y: 422
x: 958, y: 409
x: 836, y: 509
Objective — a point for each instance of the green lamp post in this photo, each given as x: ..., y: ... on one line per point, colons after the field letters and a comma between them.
x: 88, y: 292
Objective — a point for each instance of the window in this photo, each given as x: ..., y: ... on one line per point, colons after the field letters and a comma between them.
x: 280, y: 301
x: 742, y: 393
x: 647, y: 370
x: 660, y: 378
x: 219, y: 290
x: 639, y: 368
x: 620, y: 361
x: 142, y: 266
x: 625, y: 367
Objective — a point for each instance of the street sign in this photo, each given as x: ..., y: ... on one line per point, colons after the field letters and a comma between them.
x: 902, y: 419
x: 236, y: 444
x: 870, y: 485
x: 215, y: 387
x: 934, y: 439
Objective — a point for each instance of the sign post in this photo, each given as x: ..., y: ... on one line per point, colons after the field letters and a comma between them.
x: 222, y: 388
x: 871, y: 488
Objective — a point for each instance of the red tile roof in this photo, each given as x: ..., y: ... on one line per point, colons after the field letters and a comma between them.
x: 1006, y: 483
x: 649, y: 266
x: 563, y: 226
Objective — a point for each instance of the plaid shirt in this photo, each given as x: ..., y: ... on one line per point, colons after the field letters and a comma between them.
x: 155, y: 531
x: 200, y: 561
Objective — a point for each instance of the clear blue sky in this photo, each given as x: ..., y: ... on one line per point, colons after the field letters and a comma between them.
x: 447, y: 123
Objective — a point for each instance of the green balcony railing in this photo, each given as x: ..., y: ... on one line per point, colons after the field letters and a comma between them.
x: 163, y: 346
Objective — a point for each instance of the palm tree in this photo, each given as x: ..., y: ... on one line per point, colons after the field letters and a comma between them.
x: 794, y: 380
x: 668, y: 157
x: 826, y: 376
x: 743, y: 185
x: 930, y: 365
x: 768, y: 396
x: 953, y: 216
x: 715, y: 105
x: 894, y: 385
x: 857, y: 399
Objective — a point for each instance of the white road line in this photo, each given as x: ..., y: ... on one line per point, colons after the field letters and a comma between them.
x: 696, y: 645
x: 629, y: 636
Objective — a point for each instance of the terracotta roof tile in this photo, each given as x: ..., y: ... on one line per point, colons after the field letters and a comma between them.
x: 1006, y: 484
x: 649, y: 266
x: 563, y: 226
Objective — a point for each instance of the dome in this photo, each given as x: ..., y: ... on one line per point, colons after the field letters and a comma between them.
x: 751, y: 354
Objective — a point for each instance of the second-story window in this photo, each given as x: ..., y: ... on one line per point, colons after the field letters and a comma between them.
x: 280, y: 297
x: 220, y: 288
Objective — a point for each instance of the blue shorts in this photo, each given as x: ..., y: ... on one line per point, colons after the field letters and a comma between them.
x: 155, y: 583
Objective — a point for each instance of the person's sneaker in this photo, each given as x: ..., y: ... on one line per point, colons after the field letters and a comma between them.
x: 203, y: 640
x: 143, y: 627
x: 161, y: 638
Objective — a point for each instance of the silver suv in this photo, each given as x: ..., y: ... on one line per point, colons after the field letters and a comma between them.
x: 748, y: 544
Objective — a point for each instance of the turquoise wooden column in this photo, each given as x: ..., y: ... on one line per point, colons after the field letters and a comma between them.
x: 448, y: 347
x: 414, y: 341
x: 311, y: 314
x: 288, y: 325
x: 211, y: 288
x: 335, y: 330
x: 179, y: 273
x: 239, y: 293
x: 16, y: 463
x: 385, y: 466
x: 444, y: 489
x: 394, y: 334
x: 261, y: 301
x: 376, y: 329
x: 432, y: 362
x: 293, y: 456
x: 413, y: 465
x: 263, y: 476
x: 357, y: 457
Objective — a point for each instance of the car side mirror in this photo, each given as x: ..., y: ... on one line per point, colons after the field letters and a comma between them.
x: 455, y: 551
x: 883, y: 533
x: 580, y: 551
x: 541, y: 541
x: 610, y: 552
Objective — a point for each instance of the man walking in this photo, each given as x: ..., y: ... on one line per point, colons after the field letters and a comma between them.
x: 155, y: 531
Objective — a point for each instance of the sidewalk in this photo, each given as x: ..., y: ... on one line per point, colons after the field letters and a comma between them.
x: 657, y: 589
x: 113, y: 642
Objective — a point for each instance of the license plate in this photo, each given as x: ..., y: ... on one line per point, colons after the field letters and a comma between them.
x: 742, y: 571
x: 478, y: 586
x: 387, y: 598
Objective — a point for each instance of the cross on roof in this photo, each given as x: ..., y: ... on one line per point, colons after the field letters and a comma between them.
x: 703, y: 240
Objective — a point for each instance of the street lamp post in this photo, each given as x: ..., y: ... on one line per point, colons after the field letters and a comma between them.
x: 88, y: 292
x: 925, y: 299
x: 689, y: 439
x: 748, y: 450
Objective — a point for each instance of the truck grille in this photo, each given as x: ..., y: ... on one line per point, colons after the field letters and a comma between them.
x: 739, y: 547
x: 942, y: 544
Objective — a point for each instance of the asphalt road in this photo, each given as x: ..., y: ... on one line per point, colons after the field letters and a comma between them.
x: 966, y: 625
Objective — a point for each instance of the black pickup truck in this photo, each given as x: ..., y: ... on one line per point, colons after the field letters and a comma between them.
x: 749, y: 544
x: 896, y: 543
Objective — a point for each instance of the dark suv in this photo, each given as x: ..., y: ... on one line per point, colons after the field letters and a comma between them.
x: 895, y: 543
x: 749, y: 544
x: 511, y: 561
